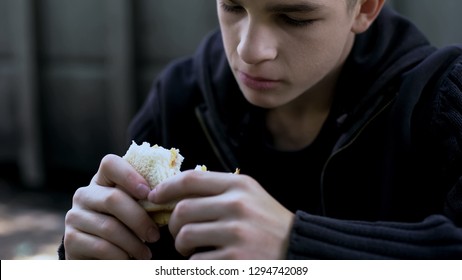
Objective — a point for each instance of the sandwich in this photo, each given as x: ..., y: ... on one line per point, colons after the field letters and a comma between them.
x: 155, y: 164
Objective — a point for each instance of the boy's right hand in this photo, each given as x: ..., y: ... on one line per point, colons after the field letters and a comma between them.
x: 105, y: 221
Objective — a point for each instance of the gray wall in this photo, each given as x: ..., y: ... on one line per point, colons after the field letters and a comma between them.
x: 73, y: 73
x: 441, y: 20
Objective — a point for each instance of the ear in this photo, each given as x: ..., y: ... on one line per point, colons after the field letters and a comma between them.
x: 366, y: 12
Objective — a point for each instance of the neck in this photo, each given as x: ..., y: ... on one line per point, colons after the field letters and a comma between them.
x: 296, y: 125
x: 295, y: 130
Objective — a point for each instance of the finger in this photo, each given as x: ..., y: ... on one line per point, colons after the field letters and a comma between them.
x: 201, y: 235
x: 196, y: 210
x: 83, y: 246
x: 110, y: 229
x: 192, y: 183
x: 218, y: 241
x: 117, y: 203
x: 115, y: 171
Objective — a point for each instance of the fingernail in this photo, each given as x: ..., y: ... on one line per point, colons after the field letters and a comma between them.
x: 153, y: 235
x: 152, y: 194
x: 147, y: 254
x: 142, y: 190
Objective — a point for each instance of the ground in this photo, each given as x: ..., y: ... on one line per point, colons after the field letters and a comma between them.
x: 31, y: 222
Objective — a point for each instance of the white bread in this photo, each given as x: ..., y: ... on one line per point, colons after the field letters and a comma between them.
x: 155, y: 164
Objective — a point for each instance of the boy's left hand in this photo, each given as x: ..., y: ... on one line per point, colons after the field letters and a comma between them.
x: 229, y: 213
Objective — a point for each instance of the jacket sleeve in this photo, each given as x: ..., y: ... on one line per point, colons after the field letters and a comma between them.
x: 438, y: 236
x: 315, y: 237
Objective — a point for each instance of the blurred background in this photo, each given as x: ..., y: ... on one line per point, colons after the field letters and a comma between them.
x: 73, y: 74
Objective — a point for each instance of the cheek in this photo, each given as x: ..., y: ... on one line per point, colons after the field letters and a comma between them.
x: 230, y: 40
x: 313, y: 58
x: 309, y: 65
x: 230, y: 32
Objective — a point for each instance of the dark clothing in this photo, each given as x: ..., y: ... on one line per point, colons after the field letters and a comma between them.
x: 384, y: 177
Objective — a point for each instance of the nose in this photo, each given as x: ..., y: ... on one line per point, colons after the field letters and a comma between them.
x: 257, y: 44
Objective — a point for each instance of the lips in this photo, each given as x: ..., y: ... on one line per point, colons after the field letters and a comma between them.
x: 257, y: 83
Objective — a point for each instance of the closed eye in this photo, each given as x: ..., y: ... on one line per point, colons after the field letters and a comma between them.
x: 235, y: 9
x: 295, y: 22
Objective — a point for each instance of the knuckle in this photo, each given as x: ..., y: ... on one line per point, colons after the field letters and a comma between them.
x: 235, y: 229
x: 70, y: 236
x: 71, y: 240
x: 184, y: 240
x: 131, y: 177
x: 101, y: 248
x: 79, y: 195
x: 108, y: 161
x: 182, y: 209
x: 186, y: 234
x: 190, y: 177
x: 108, y: 226
x: 71, y: 217
x: 115, y: 197
x: 236, y: 205
x: 244, y: 182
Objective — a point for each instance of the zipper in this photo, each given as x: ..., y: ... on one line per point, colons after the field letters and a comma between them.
x: 343, y: 148
x: 212, y: 142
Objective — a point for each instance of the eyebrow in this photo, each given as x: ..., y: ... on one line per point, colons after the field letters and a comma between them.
x: 291, y: 8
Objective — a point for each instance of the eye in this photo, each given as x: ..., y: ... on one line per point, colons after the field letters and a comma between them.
x: 295, y: 22
x: 235, y: 9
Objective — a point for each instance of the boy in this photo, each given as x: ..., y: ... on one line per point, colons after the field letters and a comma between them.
x: 346, y: 125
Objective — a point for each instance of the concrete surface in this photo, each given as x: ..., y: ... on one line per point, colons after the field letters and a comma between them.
x: 31, y: 222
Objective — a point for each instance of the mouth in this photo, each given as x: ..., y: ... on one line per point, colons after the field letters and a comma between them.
x: 257, y: 83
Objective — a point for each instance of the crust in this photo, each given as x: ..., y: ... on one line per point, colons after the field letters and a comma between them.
x: 161, y: 218
x: 160, y: 213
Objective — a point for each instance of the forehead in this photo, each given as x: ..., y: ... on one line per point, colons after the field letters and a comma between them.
x: 291, y: 5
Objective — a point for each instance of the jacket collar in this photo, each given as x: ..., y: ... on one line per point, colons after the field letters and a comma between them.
x: 380, y: 56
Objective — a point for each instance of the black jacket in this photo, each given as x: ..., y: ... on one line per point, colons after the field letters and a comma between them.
x: 391, y: 183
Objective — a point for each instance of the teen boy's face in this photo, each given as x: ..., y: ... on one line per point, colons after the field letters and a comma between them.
x: 280, y: 50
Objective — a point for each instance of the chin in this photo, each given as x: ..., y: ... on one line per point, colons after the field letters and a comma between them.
x: 262, y: 102
x: 265, y: 99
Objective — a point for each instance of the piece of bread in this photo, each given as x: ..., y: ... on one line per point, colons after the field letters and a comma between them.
x: 155, y: 164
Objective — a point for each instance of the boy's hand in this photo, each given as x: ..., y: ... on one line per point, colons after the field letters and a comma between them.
x: 231, y: 214
x: 105, y: 221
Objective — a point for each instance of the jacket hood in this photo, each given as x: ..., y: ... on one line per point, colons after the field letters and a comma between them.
x: 379, y: 58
